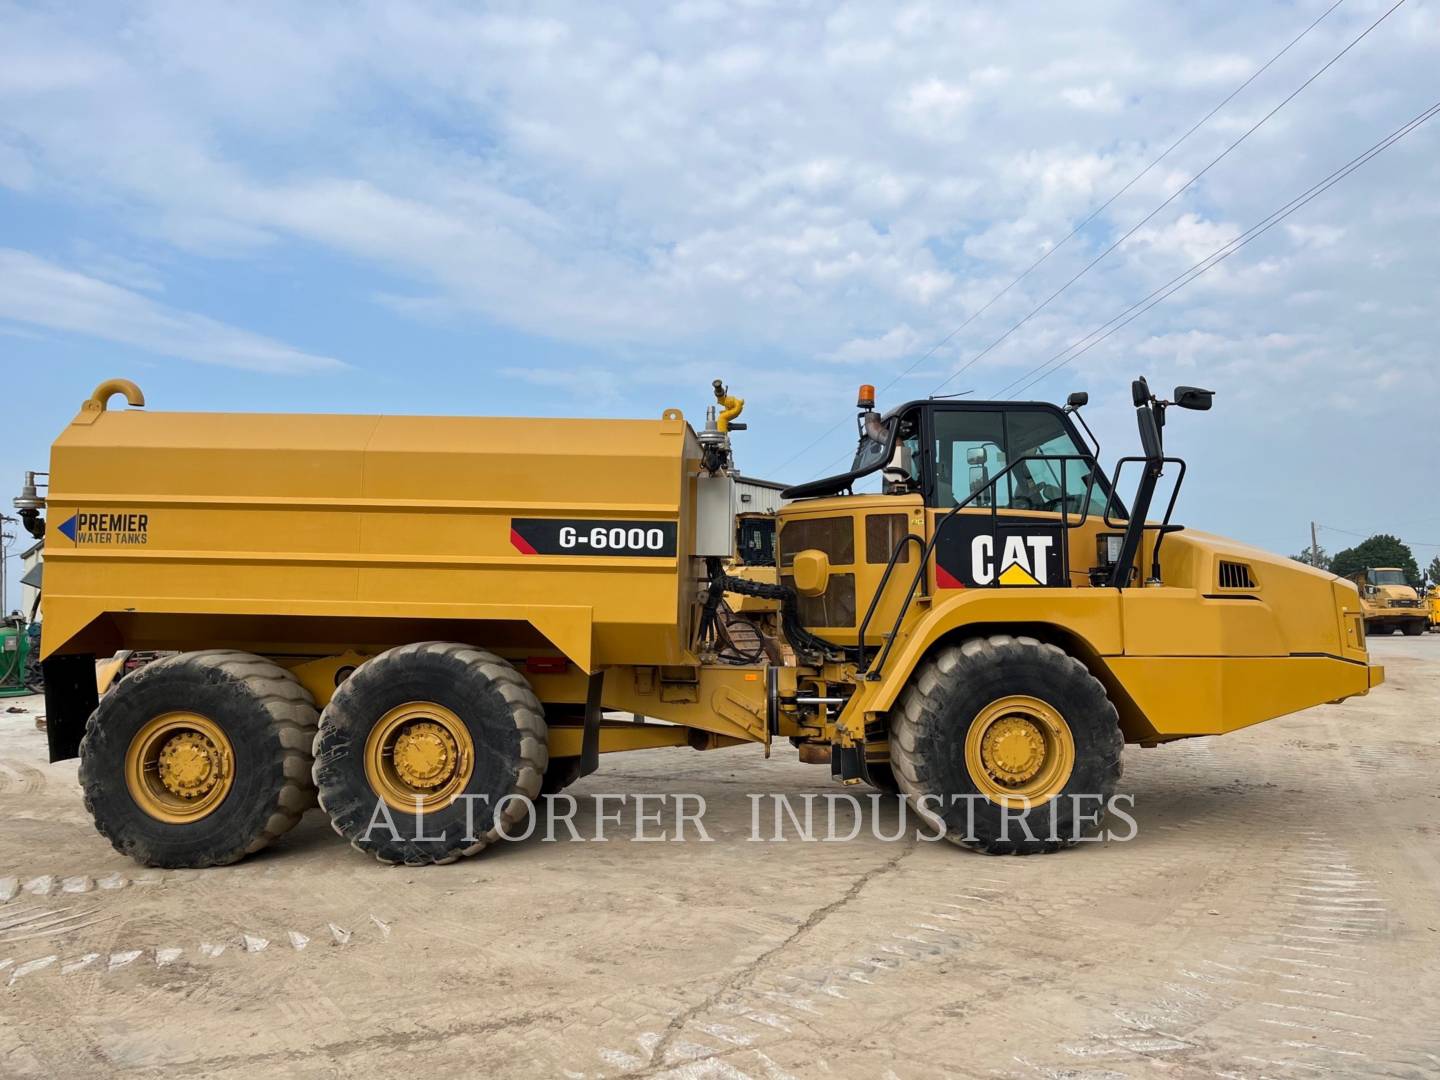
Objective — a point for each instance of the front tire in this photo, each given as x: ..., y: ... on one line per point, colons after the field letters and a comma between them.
x: 1414, y: 628
x: 445, y: 729
x: 199, y: 759
x: 1009, y: 743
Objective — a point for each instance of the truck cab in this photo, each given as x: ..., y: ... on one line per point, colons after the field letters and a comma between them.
x: 998, y: 515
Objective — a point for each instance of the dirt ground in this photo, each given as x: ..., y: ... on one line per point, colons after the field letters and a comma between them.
x: 1277, y: 915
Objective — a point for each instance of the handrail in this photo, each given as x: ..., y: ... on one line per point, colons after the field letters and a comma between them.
x: 872, y: 670
x: 885, y: 580
x: 1121, y: 571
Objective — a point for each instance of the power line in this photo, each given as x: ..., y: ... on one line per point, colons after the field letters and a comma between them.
x: 1175, y: 284
x: 1076, y: 230
x: 1172, y: 197
x: 1367, y: 536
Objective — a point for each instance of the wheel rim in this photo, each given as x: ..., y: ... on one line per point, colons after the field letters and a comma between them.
x: 419, y: 752
x: 1019, y: 751
x: 179, y: 767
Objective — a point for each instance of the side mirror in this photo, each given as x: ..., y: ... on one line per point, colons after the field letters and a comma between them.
x: 1192, y: 397
x: 979, y: 478
x: 976, y: 455
x: 1078, y: 400
x: 811, y: 571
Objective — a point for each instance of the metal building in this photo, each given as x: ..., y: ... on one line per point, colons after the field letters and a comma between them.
x: 753, y: 496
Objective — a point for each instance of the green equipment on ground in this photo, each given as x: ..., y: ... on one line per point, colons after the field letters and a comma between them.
x: 14, y: 656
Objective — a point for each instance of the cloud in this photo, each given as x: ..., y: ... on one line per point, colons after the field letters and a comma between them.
x: 936, y: 101
x: 1101, y: 97
x: 784, y: 180
x: 893, y: 344
x: 1188, y: 239
x: 590, y: 383
x: 1317, y: 235
x: 40, y: 293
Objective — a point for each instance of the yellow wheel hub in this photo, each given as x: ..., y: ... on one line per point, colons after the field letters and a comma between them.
x: 1019, y: 751
x: 179, y: 767
x: 425, y: 755
x: 1013, y: 749
x: 419, y: 753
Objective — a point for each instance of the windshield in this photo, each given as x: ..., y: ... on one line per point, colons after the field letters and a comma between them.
x: 874, y: 437
x: 1387, y: 577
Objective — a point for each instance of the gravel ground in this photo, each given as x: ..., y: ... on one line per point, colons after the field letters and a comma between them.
x: 1276, y: 915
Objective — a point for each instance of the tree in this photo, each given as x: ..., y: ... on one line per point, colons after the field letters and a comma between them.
x: 1382, y: 549
x: 1434, y: 571
x: 1321, y: 557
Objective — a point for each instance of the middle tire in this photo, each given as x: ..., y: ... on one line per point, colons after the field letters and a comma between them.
x: 447, y: 729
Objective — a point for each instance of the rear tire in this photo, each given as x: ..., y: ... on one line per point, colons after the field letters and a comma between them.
x: 249, y: 778
x: 476, y: 735
x: 1043, y: 730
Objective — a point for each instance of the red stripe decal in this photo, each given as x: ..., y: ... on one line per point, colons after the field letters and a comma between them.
x: 946, y: 580
x: 521, y: 544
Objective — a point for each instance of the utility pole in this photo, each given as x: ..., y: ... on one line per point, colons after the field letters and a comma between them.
x: 5, y: 539
x: 1314, y: 547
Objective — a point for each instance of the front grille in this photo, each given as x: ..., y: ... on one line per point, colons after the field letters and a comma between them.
x: 835, y: 607
x: 1405, y: 603
x: 835, y: 536
x: 1235, y: 575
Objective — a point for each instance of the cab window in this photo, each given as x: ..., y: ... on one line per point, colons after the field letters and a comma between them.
x: 973, y: 446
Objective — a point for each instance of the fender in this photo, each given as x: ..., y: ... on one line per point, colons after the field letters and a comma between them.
x: 1092, y: 615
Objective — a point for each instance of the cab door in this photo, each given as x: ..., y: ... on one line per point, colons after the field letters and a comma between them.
x: 1023, y: 474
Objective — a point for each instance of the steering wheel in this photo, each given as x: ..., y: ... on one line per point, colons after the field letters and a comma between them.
x: 1053, y: 498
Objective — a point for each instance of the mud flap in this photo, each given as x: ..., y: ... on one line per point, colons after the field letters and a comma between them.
x: 70, y: 698
x: 847, y: 763
x: 590, y: 737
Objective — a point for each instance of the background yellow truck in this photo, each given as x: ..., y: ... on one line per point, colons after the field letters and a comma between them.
x: 425, y: 619
x: 1390, y: 602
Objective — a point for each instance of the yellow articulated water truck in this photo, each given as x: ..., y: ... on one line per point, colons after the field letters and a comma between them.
x: 425, y: 615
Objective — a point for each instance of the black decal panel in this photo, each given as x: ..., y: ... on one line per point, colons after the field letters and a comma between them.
x: 589, y: 536
x: 1023, y: 552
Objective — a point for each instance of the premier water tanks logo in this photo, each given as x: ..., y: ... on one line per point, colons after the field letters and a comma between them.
x: 130, y: 528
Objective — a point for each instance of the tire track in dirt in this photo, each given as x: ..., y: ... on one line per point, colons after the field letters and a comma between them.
x: 117, y: 956
x: 760, y: 1016
x: 20, y: 778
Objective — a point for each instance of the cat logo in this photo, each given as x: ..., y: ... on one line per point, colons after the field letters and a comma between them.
x: 1024, y: 560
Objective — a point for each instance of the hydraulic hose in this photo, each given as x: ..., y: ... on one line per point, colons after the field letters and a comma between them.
x: 795, y: 632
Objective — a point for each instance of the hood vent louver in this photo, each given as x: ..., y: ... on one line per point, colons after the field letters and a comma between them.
x: 1236, y: 575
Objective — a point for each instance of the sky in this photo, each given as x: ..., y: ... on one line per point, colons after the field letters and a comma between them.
x: 594, y: 210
